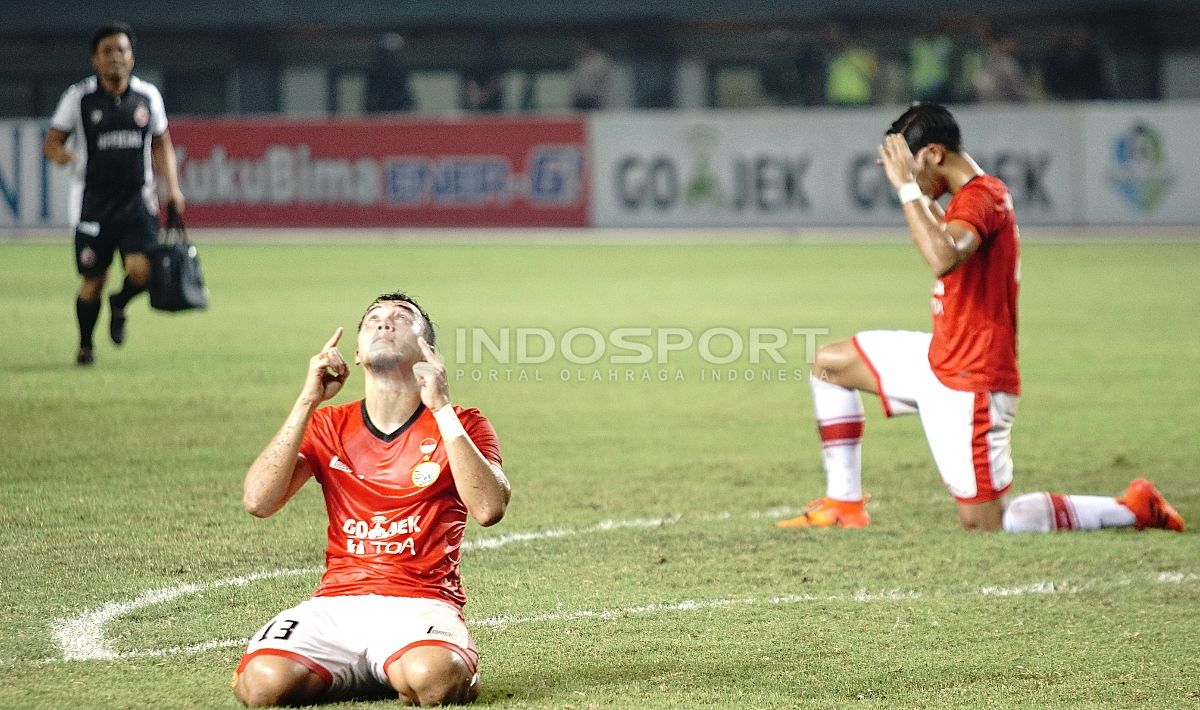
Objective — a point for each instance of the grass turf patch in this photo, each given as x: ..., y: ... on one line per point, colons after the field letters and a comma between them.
x: 126, y: 478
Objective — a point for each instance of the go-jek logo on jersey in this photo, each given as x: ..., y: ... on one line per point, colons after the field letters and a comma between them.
x: 377, y: 535
x: 1141, y: 175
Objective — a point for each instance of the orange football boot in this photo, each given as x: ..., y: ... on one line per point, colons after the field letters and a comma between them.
x: 830, y: 513
x: 1150, y: 507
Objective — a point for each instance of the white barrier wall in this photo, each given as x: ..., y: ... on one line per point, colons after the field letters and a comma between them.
x: 1065, y: 164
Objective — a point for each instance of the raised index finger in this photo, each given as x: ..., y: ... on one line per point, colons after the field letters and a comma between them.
x: 337, y: 335
x: 428, y: 351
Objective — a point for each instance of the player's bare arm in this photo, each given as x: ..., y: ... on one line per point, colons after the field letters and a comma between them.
x: 280, y: 470
x: 55, y: 147
x: 163, y: 154
x: 480, y: 483
x: 943, y: 246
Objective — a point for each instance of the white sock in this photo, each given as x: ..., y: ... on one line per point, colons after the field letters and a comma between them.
x: 840, y: 423
x: 1048, y: 512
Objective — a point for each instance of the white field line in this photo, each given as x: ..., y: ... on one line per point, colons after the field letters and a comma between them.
x: 690, y: 605
x: 1035, y: 588
x: 1177, y: 577
x: 81, y: 637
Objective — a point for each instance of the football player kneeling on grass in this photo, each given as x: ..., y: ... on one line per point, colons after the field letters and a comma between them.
x: 400, y: 471
x: 962, y: 379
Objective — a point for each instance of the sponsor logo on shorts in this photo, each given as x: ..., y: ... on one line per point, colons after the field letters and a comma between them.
x: 87, y: 258
x: 88, y: 229
x: 433, y: 631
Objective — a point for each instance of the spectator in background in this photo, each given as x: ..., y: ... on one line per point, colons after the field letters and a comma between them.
x: 1076, y: 68
x: 483, y: 86
x: 794, y: 75
x: 1001, y: 78
x: 851, y: 71
x: 387, y: 79
x: 966, y: 61
x: 929, y: 57
x: 590, y: 72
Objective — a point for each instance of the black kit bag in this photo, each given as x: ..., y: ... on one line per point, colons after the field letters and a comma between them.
x: 176, y: 282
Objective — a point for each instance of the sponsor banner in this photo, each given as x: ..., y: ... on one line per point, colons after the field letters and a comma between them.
x: 33, y: 191
x: 1143, y: 164
x: 1077, y: 164
x: 383, y: 173
x: 808, y: 168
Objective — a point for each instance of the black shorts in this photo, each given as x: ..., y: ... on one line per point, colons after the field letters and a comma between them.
x: 95, y: 242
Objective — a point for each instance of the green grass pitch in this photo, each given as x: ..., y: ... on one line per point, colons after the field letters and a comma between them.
x: 120, y: 485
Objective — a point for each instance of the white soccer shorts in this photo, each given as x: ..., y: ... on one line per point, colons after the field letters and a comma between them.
x: 969, y: 433
x: 350, y: 641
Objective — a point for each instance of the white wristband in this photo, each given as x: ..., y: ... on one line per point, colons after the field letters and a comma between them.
x: 909, y: 192
x: 448, y: 422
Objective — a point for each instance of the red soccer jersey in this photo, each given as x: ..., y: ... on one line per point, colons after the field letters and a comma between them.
x: 974, y: 346
x: 396, y: 520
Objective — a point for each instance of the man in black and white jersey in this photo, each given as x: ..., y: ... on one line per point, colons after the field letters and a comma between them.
x: 113, y: 127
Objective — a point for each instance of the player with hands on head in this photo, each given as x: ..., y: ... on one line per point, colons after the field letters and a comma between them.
x: 113, y: 127
x: 400, y: 471
x: 962, y: 379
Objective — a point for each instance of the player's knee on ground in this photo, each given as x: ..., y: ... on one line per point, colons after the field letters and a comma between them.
x: 432, y: 676
x: 1029, y: 513
x: 272, y: 681
x: 987, y: 515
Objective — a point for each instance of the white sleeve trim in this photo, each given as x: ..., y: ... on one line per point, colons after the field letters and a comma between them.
x: 158, y: 110
x: 66, y: 116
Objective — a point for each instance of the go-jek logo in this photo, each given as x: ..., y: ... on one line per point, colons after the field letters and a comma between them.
x: 712, y: 178
x: 376, y: 536
x: 1141, y: 174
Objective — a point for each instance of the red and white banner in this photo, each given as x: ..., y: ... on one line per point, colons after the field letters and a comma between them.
x: 482, y: 172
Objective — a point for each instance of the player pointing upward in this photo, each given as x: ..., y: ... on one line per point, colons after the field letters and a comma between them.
x: 400, y: 470
x: 962, y: 379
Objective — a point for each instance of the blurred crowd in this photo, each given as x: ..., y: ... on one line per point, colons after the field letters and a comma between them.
x: 963, y: 60
x: 486, y: 81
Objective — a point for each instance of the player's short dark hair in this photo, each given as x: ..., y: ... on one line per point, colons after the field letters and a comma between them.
x: 108, y: 30
x: 430, y: 333
x: 925, y: 122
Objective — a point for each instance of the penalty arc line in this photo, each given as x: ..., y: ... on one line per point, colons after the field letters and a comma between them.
x: 81, y: 637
